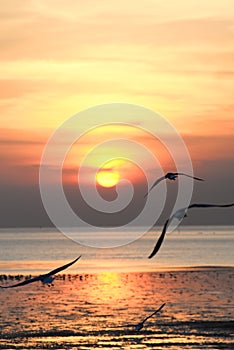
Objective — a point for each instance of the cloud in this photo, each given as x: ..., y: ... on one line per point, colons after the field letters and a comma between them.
x: 70, y: 31
x: 16, y: 136
x: 210, y: 147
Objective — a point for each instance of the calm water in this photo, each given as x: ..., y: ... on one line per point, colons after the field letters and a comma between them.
x: 96, y: 302
x: 32, y: 250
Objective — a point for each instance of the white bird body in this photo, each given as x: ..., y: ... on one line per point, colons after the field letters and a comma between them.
x: 46, y: 278
x: 179, y: 214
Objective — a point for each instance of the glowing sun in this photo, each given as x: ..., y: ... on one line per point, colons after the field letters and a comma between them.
x: 107, y: 178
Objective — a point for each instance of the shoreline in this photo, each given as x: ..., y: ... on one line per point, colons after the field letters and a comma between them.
x: 98, y: 309
x: 5, y: 277
x: 9, y: 274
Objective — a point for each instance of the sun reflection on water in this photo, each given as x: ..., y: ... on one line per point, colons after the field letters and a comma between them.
x: 112, y: 286
x: 95, y: 310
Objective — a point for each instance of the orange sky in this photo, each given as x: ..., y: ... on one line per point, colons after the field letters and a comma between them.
x: 60, y: 57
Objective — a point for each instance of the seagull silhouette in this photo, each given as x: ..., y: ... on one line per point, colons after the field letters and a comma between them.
x: 180, y: 214
x: 170, y: 176
x: 46, y: 278
x: 140, y: 325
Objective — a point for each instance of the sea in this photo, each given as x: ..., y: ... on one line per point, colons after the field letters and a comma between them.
x: 34, y: 250
x: 98, y: 302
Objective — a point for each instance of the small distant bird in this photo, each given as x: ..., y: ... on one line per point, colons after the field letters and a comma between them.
x: 46, y: 278
x: 140, y: 325
x: 170, y: 176
x: 180, y: 214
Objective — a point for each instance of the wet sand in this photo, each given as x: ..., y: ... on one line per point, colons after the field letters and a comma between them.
x: 88, y: 311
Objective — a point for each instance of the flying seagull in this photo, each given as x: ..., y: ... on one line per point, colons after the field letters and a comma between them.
x: 46, y: 278
x: 140, y: 325
x: 179, y: 215
x: 170, y: 176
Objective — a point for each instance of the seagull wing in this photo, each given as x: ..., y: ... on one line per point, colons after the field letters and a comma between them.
x: 40, y: 278
x: 31, y: 280
x: 58, y: 269
x: 195, y: 205
x: 198, y: 205
x: 155, y: 312
x: 140, y: 325
x: 181, y: 212
x: 154, y: 184
x: 193, y: 177
x: 160, y: 240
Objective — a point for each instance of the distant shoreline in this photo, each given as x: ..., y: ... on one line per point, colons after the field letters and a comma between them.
x: 19, y: 276
x: 182, y: 227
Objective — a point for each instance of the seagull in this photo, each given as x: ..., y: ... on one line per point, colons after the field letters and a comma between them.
x: 170, y: 176
x: 140, y: 325
x: 46, y: 278
x: 179, y: 215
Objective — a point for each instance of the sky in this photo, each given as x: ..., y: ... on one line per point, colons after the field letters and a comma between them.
x: 61, y: 57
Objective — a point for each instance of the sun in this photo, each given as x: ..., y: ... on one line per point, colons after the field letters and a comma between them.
x: 107, y: 178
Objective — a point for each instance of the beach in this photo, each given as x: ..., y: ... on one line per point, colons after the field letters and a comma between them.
x: 98, y: 301
x: 86, y: 311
